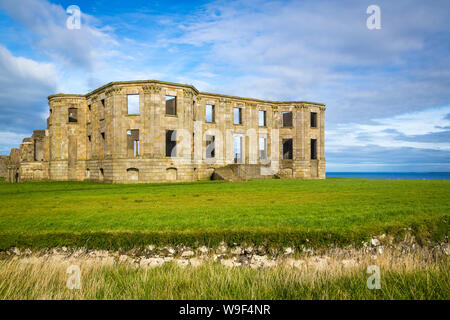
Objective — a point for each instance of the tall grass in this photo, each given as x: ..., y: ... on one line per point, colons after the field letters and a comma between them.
x: 402, y: 278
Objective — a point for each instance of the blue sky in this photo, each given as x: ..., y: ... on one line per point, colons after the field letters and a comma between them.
x: 387, y: 91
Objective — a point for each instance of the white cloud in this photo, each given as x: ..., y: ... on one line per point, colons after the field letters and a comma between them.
x: 24, y: 87
x: 405, y: 130
x: 81, y: 48
x: 23, y: 81
x: 25, y: 68
x: 9, y: 140
x: 322, y: 51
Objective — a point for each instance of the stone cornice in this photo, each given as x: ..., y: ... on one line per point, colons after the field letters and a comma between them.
x: 113, y: 91
x: 151, y: 88
x: 188, y: 93
x: 188, y: 87
x: 59, y: 96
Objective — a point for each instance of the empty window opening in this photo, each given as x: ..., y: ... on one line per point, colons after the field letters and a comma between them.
x: 210, y: 146
x: 133, y: 142
x: 89, y: 138
x: 287, y: 119
x: 102, y: 109
x: 262, y: 118
x: 313, y: 119
x: 171, y: 143
x: 287, y: 149
x: 262, y: 148
x: 133, y: 103
x: 210, y: 113
x: 237, y: 116
x: 313, y: 148
x: 237, y: 149
x: 73, y: 115
x: 102, y: 174
x: 35, y: 150
x: 88, y: 174
x: 102, y: 144
x: 171, y: 105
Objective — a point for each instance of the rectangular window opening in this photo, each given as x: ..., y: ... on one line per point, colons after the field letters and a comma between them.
x: 262, y: 148
x: 73, y: 115
x: 287, y: 119
x: 89, y: 146
x: 35, y: 150
x: 133, y: 142
x: 237, y: 116
x: 210, y: 146
x: 171, y: 143
x: 262, y: 118
x: 237, y: 149
x: 287, y: 149
x: 210, y: 113
x: 313, y: 119
x: 171, y: 105
x: 313, y: 149
x: 133, y: 103
x: 101, y: 110
x: 103, y: 143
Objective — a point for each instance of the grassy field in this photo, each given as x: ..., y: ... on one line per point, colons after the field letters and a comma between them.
x: 213, y: 281
x: 274, y: 212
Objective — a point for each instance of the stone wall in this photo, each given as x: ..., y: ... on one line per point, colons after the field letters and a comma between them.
x: 4, y: 166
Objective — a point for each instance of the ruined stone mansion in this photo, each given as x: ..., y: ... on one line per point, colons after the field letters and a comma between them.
x: 155, y: 131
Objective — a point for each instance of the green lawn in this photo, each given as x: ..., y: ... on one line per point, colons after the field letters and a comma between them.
x: 285, y: 212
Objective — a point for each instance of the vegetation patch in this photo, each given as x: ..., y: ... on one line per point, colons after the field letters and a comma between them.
x: 47, y: 280
x: 273, y: 213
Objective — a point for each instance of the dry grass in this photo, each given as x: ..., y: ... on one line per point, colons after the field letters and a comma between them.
x: 420, y: 275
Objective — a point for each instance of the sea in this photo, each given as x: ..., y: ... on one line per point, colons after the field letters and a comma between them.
x: 391, y: 175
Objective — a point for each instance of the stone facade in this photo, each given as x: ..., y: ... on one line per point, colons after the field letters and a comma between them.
x: 4, y: 160
x: 175, y: 133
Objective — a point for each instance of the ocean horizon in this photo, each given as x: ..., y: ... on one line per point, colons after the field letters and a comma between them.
x: 391, y: 175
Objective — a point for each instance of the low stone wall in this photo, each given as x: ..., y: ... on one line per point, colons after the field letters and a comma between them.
x: 379, y: 250
x: 4, y: 166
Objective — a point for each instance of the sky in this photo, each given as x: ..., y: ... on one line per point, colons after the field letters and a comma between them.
x: 387, y: 90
